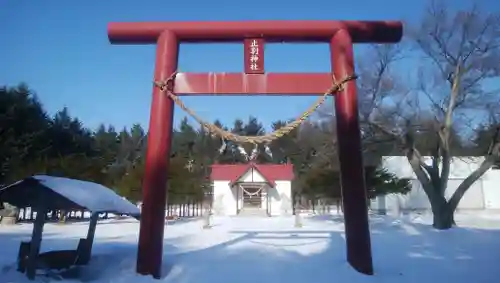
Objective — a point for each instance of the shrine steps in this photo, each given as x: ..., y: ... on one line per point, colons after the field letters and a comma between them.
x: 251, y: 212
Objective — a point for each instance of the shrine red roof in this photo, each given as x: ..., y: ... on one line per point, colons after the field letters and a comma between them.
x: 270, y: 172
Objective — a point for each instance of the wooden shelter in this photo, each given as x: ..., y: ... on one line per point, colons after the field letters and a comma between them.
x: 47, y: 193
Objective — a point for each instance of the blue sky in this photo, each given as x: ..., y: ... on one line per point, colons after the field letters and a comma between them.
x: 60, y: 49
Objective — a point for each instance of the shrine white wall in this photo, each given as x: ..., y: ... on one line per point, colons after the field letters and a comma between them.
x: 252, y: 176
x: 224, y: 200
x: 483, y: 194
x: 280, y: 198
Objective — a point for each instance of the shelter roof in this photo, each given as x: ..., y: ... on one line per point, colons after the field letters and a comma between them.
x: 67, y: 194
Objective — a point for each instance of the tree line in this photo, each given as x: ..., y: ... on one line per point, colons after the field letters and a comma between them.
x: 32, y: 142
x: 435, y: 94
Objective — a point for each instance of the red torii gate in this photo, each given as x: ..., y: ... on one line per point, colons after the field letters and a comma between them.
x: 339, y: 34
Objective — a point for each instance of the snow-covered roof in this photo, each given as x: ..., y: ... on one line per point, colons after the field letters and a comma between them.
x: 270, y: 172
x: 86, y: 195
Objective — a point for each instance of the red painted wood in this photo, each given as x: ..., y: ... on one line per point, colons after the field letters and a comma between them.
x: 245, y: 84
x: 253, y: 54
x: 340, y: 35
x: 272, y: 31
x: 154, y: 186
x: 348, y: 138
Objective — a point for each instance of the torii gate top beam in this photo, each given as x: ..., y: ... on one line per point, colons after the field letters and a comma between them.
x: 272, y: 31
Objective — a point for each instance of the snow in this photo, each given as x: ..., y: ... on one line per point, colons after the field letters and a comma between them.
x: 256, y: 249
x: 93, y: 196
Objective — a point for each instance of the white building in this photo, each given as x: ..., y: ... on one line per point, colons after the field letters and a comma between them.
x: 484, y: 193
x: 263, y: 189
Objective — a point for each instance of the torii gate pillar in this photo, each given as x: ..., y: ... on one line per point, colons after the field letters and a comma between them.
x: 339, y: 34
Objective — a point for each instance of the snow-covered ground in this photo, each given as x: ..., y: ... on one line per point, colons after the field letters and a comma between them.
x: 243, y: 249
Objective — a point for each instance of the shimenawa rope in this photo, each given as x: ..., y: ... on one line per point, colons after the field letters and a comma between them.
x: 166, y: 87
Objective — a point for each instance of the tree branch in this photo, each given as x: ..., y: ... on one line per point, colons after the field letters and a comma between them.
x: 467, y: 183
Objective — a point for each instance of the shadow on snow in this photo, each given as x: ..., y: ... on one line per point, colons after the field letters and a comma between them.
x: 403, y: 252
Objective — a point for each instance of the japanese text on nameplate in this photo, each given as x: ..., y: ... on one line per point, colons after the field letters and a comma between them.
x: 254, y: 56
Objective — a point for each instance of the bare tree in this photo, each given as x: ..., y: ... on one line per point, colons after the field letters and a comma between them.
x: 459, y: 54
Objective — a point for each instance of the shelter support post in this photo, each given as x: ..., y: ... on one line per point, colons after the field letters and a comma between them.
x: 150, y: 250
x: 36, y: 241
x: 84, y: 257
x: 350, y: 156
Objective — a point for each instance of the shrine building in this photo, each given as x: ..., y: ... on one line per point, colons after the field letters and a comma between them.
x: 252, y: 189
